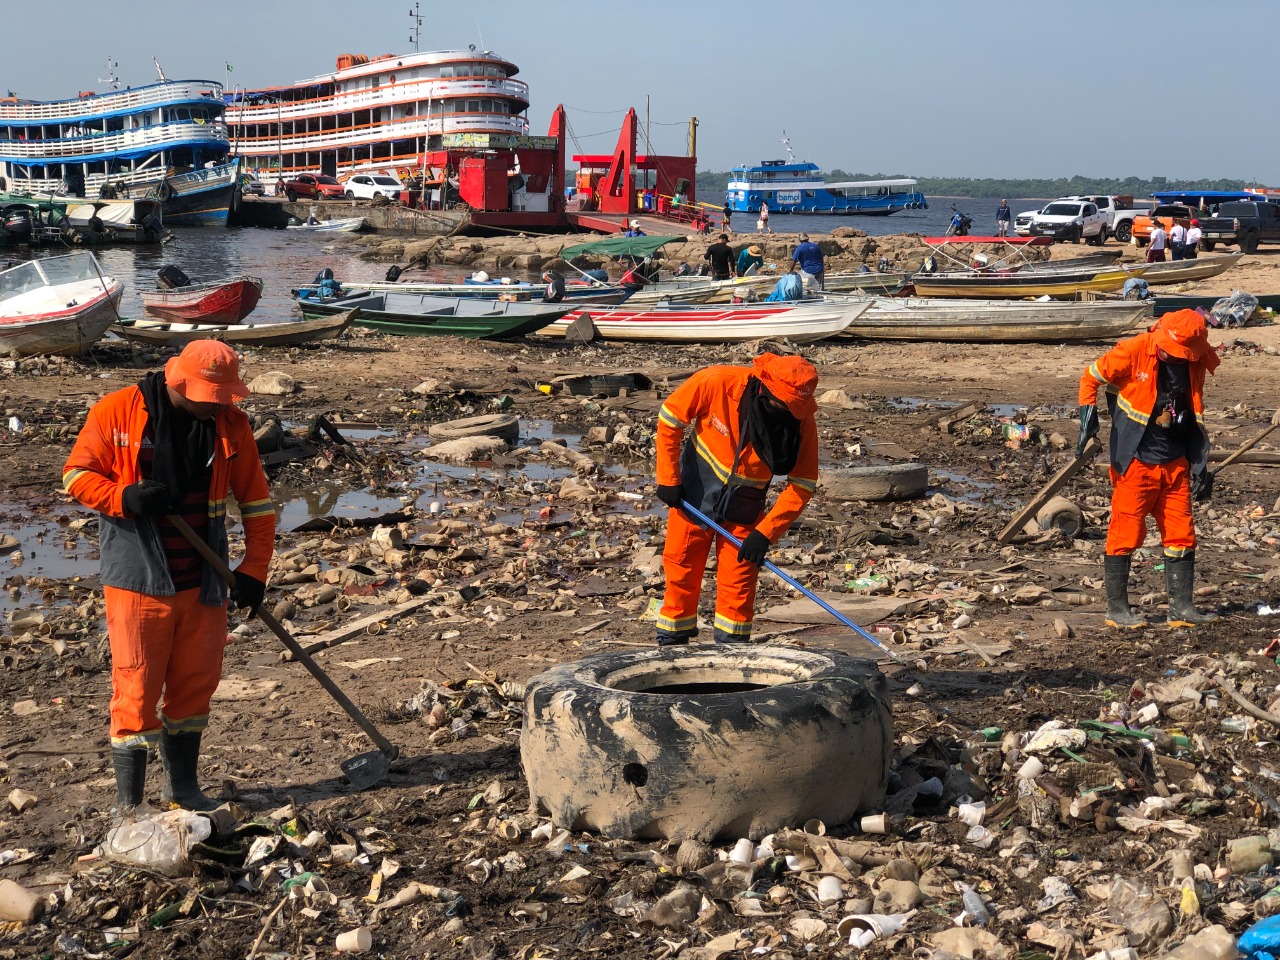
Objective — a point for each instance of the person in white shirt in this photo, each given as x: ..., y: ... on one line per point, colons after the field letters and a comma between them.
x: 1178, y: 240
x: 1193, y: 241
x: 1159, y: 239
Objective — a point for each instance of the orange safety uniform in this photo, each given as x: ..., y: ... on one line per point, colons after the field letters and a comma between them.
x: 1129, y: 373
x: 709, y: 403
x: 160, y: 637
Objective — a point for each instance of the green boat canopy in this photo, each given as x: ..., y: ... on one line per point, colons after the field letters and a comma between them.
x: 638, y: 247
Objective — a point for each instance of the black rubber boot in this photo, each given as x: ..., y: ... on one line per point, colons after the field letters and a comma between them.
x: 1119, y: 613
x: 180, y: 753
x: 1179, y: 579
x: 667, y: 639
x: 130, y: 764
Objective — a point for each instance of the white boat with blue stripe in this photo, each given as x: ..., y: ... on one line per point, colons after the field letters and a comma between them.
x: 791, y: 186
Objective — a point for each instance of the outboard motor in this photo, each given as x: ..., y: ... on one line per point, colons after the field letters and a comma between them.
x: 393, y: 273
x: 171, y: 277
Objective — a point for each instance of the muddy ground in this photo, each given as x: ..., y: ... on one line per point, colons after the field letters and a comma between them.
x: 533, y: 560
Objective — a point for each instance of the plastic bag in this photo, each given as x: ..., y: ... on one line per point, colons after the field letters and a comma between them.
x: 161, y: 842
x: 1233, y: 311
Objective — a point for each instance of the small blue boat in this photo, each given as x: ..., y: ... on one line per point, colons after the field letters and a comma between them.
x: 791, y: 186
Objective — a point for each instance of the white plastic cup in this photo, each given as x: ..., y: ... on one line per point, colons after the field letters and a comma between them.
x: 18, y: 903
x: 875, y: 823
x: 1031, y: 768
x: 359, y: 940
x: 744, y: 851
x: 1148, y: 714
x: 971, y: 814
x: 434, y: 507
x: 830, y: 890
x: 980, y: 836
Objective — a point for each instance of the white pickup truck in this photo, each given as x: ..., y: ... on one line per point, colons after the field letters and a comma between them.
x: 1072, y: 219
x: 1120, y: 212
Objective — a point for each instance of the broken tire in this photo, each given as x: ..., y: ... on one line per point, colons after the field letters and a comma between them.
x: 504, y: 426
x: 706, y: 742
x: 898, y: 481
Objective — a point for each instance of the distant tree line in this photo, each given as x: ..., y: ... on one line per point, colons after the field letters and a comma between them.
x: 711, y: 185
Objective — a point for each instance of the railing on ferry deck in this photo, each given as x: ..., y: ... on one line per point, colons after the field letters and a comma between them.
x: 156, y: 136
x: 410, y: 91
x: 118, y: 100
x: 270, y: 144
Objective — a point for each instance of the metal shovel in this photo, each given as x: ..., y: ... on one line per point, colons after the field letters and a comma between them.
x: 363, y: 770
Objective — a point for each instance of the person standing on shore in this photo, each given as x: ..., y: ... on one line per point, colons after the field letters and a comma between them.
x: 745, y: 426
x: 173, y: 445
x: 1004, y: 217
x: 1178, y: 241
x: 1159, y: 453
x: 809, y: 255
x: 762, y: 225
x: 720, y: 256
x: 1159, y: 239
x: 1190, y: 251
x: 726, y: 219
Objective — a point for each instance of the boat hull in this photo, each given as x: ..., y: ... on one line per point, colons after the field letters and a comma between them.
x: 345, y: 225
x: 68, y: 332
x: 800, y: 322
x: 427, y: 316
x: 1014, y: 287
x: 219, y: 301
x: 997, y: 321
x: 157, y: 333
x: 1183, y: 271
x: 201, y: 197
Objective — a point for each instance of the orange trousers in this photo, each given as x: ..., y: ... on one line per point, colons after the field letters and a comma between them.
x: 170, y: 645
x: 684, y: 560
x: 1162, y: 491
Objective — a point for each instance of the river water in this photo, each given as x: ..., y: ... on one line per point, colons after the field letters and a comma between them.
x: 286, y: 259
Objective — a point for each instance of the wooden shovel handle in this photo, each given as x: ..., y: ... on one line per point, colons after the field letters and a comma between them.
x: 1243, y: 448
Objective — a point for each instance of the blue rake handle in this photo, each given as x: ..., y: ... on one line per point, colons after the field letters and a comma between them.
x: 789, y: 580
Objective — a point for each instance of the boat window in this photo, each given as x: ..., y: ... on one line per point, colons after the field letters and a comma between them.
x: 810, y: 194
x: 446, y: 71
x: 473, y: 106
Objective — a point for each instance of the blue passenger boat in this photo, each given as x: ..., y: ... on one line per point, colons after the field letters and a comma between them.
x: 791, y: 186
x: 166, y: 140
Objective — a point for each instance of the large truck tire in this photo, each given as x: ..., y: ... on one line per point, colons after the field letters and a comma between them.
x: 501, y: 425
x: 706, y: 742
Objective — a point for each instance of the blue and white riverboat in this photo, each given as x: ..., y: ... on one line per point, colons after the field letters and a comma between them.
x: 166, y: 140
x: 791, y: 186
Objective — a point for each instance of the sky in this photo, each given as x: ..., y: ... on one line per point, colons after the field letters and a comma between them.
x: 936, y: 88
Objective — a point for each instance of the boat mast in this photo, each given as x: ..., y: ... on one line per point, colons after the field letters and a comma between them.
x: 786, y: 142
x: 416, y: 36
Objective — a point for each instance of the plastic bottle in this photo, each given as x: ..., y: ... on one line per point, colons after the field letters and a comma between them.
x: 978, y: 913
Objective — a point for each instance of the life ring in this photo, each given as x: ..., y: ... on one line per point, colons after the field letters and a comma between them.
x: 391, y: 78
x: 164, y: 192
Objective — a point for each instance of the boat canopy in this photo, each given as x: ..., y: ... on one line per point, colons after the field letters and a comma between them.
x: 1010, y: 241
x: 620, y: 247
x: 869, y: 183
x: 1192, y: 198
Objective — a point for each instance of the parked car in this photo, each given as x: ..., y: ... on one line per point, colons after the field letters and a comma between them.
x: 1120, y: 212
x: 1167, y: 214
x: 366, y: 186
x: 1075, y: 220
x: 1246, y: 223
x: 312, y: 186
x: 251, y: 186
x: 1022, y: 222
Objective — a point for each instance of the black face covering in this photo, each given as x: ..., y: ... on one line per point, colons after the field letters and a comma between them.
x: 183, y: 444
x: 774, y: 434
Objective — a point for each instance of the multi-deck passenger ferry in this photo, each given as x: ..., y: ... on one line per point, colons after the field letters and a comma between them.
x: 791, y: 186
x: 382, y: 113
x: 166, y: 140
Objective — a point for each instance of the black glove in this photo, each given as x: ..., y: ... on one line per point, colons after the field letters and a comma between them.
x: 671, y: 495
x: 146, y: 498
x: 1088, y: 426
x: 753, y: 548
x: 248, y: 592
x: 1202, y: 486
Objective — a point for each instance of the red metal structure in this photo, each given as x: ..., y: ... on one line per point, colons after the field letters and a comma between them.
x: 611, y: 179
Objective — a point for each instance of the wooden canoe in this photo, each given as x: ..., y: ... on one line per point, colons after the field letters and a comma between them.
x: 997, y: 321
x: 1181, y: 271
x: 286, y: 334
x: 798, y: 321
x: 422, y: 315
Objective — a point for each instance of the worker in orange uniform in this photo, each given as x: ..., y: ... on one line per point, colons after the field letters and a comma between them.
x: 1159, y: 454
x: 748, y: 425
x: 173, y: 444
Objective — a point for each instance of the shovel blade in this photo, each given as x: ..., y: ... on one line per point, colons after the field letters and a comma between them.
x: 366, y: 769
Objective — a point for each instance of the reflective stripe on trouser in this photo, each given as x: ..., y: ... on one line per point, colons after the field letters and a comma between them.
x: 1162, y: 491
x: 162, y: 644
x: 683, y: 561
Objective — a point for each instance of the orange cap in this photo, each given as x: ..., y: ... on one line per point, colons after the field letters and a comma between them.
x: 792, y: 380
x: 206, y: 371
x: 1182, y: 333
